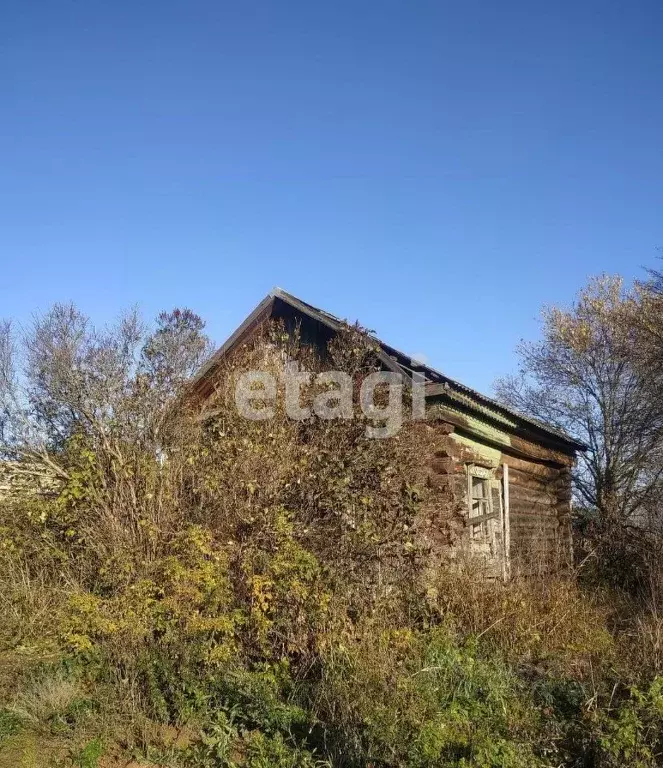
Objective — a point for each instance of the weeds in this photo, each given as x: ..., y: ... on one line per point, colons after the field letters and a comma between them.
x: 260, y: 589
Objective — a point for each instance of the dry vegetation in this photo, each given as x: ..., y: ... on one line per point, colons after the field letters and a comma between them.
x: 217, y: 592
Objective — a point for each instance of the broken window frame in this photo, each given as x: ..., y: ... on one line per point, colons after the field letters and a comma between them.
x: 478, y: 524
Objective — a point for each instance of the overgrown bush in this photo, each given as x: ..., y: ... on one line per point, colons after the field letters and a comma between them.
x: 256, y: 588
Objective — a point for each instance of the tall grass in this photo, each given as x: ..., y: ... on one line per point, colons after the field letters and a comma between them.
x: 261, y: 592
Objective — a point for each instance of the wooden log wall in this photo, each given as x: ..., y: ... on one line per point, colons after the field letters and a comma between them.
x: 539, y: 515
x: 539, y: 497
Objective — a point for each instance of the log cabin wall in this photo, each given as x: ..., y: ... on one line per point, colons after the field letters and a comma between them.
x: 532, y: 535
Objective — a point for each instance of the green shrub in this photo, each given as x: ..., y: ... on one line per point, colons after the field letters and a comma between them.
x: 10, y: 724
x: 424, y: 698
x: 90, y: 755
x: 632, y: 734
x: 224, y: 744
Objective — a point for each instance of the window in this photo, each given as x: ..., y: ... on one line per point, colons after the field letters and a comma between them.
x: 480, y: 502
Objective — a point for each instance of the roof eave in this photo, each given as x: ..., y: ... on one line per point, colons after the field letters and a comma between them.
x: 390, y: 357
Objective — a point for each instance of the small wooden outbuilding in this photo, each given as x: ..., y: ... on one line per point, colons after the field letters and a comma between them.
x: 502, y: 480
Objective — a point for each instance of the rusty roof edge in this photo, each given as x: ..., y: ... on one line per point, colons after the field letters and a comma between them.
x: 489, y: 402
x: 511, y: 421
x: 389, y: 357
x: 336, y: 322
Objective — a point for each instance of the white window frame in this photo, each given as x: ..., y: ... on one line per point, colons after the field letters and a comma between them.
x: 480, y: 531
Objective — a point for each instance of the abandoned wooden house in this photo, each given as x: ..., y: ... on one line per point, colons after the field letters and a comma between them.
x: 502, y: 480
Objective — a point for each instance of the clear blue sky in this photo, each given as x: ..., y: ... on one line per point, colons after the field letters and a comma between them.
x: 439, y: 170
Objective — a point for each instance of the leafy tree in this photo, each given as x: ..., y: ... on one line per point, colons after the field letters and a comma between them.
x: 93, y: 409
x: 585, y: 375
x: 63, y: 377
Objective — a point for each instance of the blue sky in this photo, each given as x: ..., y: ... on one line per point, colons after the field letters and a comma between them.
x: 438, y: 170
